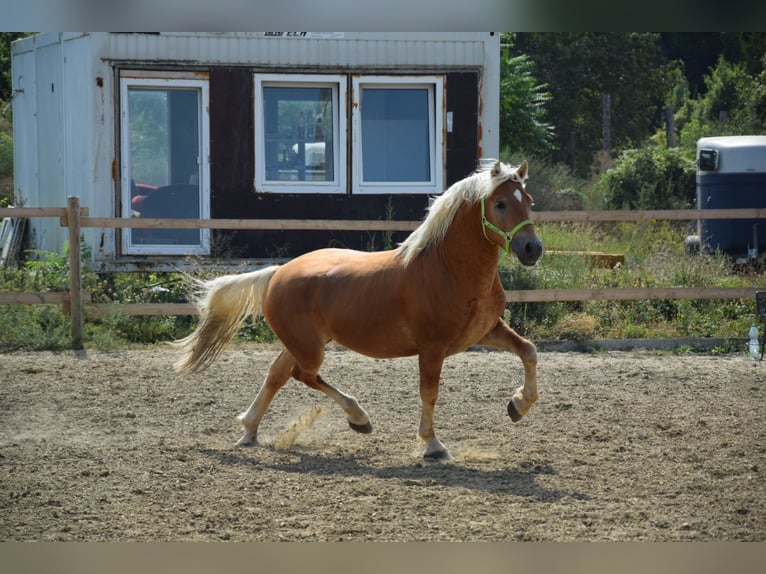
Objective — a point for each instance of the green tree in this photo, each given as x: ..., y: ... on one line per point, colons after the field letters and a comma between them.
x: 696, y: 52
x: 5, y: 62
x: 578, y: 69
x: 6, y: 129
x: 523, y: 101
x: 734, y: 103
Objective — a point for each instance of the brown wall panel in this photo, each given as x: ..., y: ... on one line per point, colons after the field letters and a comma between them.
x: 233, y: 170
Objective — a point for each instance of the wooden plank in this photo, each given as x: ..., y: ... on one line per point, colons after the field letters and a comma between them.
x: 39, y: 211
x: 388, y: 225
x: 595, y: 258
x: 143, y: 308
x: 166, y: 74
x: 33, y: 211
x: 462, y: 141
x: 232, y: 168
x: 647, y: 215
x: 300, y: 224
x: 629, y: 294
x: 44, y: 298
x: 385, y: 225
x: 39, y: 298
x: 524, y: 296
x: 75, y: 272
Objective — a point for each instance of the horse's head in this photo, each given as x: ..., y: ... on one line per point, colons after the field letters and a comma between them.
x: 505, y: 214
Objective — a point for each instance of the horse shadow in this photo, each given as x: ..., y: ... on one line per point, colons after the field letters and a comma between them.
x: 519, y: 481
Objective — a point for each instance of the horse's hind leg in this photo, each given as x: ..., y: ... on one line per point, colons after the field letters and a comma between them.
x: 503, y: 337
x: 358, y: 418
x: 279, y: 374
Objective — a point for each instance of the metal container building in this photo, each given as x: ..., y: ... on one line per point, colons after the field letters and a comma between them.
x: 246, y: 125
x: 731, y: 174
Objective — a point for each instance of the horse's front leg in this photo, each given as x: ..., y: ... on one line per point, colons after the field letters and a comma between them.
x: 430, y: 371
x: 503, y: 337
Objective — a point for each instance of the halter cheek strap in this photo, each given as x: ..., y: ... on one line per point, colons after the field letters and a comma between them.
x: 507, y: 235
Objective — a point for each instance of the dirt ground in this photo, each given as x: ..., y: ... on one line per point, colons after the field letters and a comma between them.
x: 621, y: 446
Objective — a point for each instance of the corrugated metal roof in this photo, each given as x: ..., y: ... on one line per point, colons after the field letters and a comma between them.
x: 341, y: 50
x: 430, y: 50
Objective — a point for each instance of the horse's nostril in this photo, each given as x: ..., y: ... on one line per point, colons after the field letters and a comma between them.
x: 528, y: 250
x: 534, y: 248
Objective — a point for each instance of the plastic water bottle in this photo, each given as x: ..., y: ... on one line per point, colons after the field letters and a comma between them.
x: 754, y: 350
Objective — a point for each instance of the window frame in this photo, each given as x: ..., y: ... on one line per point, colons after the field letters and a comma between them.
x: 165, y: 81
x: 435, y: 84
x: 338, y: 83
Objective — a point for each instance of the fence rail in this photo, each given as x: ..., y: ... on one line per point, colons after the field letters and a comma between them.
x: 74, y: 217
x: 388, y: 225
x: 628, y: 294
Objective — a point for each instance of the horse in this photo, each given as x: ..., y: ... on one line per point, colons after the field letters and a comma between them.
x: 434, y: 295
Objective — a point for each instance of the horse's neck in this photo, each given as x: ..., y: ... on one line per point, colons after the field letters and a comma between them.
x: 466, y: 252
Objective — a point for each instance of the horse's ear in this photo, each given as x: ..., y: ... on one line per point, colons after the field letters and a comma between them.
x: 522, y: 170
x: 497, y: 169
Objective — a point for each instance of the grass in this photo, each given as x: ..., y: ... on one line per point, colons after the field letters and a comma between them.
x: 654, y: 257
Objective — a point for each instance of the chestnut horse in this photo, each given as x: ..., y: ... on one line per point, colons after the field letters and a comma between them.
x: 435, y: 295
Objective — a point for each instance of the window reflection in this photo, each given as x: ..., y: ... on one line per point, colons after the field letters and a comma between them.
x: 164, y: 142
x: 298, y: 125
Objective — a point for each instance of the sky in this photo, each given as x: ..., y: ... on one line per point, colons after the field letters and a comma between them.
x: 381, y: 15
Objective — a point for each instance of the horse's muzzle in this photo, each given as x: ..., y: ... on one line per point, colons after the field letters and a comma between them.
x: 528, y: 248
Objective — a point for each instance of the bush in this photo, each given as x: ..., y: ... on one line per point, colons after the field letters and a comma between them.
x: 6, y: 170
x: 33, y: 327
x: 650, y: 178
x: 6, y: 155
x: 551, y: 184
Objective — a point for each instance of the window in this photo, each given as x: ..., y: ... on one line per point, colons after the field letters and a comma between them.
x: 300, y: 133
x: 397, y: 134
x: 164, y: 161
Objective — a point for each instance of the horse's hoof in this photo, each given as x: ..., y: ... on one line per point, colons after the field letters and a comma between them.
x: 247, y: 440
x: 438, y: 455
x: 364, y: 429
x: 513, y: 413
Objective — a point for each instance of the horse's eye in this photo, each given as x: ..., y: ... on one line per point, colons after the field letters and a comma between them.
x: 500, y: 205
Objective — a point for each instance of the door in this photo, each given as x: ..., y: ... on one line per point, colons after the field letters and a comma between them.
x: 164, y: 159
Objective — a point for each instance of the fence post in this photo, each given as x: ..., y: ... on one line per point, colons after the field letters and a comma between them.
x: 75, y: 270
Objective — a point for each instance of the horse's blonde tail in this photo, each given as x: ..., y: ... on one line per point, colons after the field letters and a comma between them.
x: 223, y: 304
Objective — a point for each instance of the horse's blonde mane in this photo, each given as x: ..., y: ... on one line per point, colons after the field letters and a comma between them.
x: 469, y: 190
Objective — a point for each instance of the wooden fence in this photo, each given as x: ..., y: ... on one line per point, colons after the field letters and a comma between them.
x: 74, y: 217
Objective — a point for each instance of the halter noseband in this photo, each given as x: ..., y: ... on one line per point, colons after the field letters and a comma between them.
x: 508, y: 235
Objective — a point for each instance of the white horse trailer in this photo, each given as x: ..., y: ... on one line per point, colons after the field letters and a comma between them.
x: 731, y: 174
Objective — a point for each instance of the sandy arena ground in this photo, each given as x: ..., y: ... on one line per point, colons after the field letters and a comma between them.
x: 621, y: 446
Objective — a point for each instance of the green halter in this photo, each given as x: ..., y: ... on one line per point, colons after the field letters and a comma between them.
x: 508, y: 235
